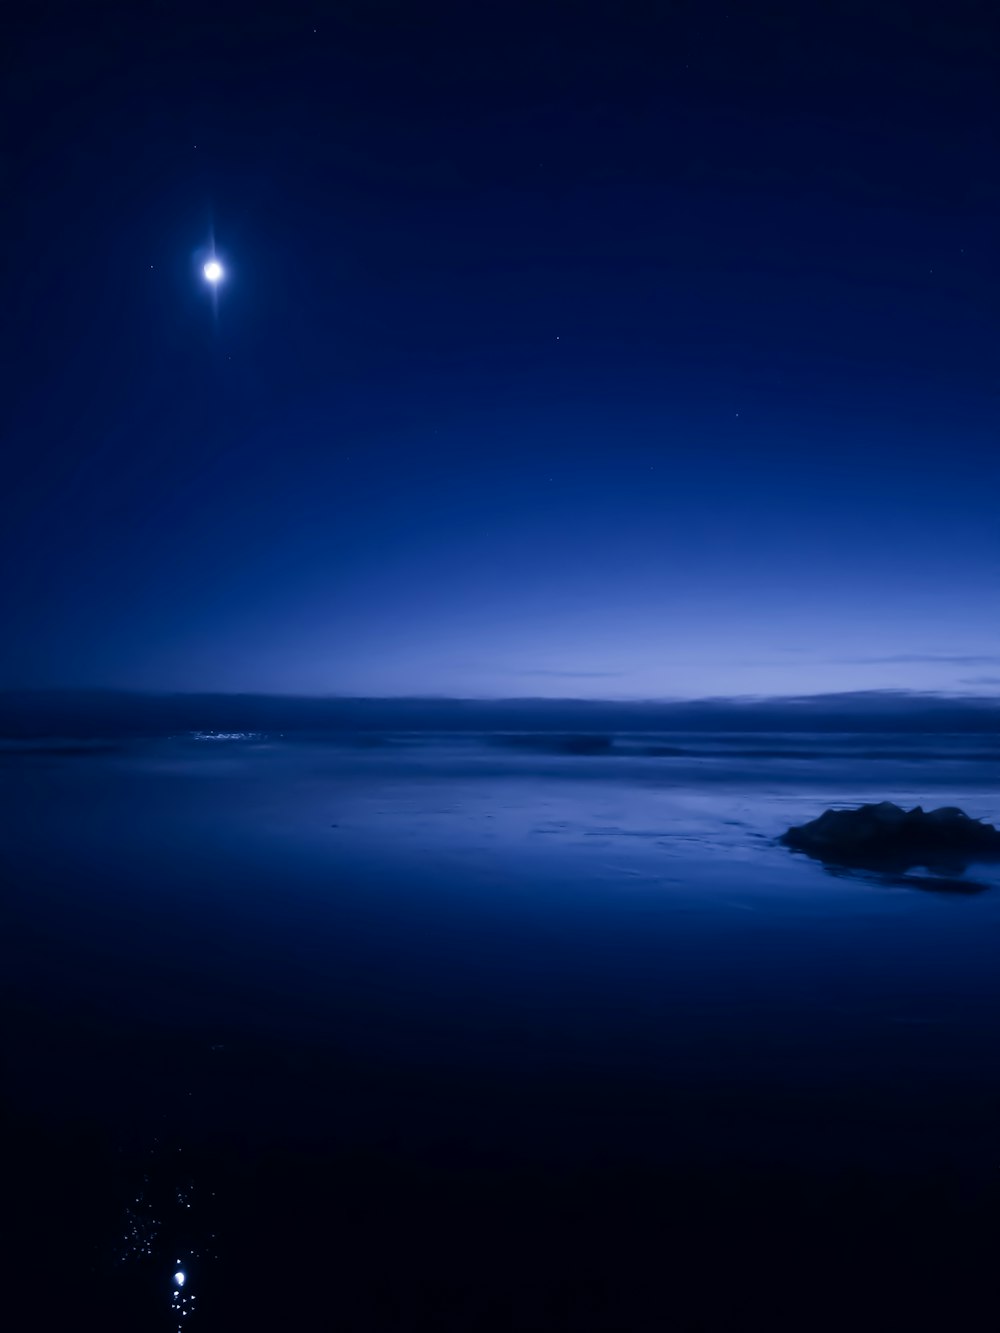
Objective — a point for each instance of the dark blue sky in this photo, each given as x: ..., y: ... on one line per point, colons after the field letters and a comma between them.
x: 563, y: 350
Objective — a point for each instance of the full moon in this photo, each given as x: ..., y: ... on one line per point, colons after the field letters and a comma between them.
x: 213, y: 271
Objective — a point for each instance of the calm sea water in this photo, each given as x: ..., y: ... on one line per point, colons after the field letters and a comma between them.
x: 449, y: 1033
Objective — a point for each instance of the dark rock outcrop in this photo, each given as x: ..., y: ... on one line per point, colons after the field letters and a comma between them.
x: 554, y: 743
x: 886, y: 837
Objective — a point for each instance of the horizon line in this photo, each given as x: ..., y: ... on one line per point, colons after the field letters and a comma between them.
x: 879, y: 692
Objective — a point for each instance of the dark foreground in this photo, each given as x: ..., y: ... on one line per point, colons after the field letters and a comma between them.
x: 453, y: 1038
x: 384, y: 1244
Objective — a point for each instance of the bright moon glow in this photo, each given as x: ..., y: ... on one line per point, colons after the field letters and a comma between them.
x: 179, y: 1278
x: 213, y: 270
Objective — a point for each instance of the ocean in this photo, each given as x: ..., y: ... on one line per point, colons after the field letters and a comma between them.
x: 528, y: 1031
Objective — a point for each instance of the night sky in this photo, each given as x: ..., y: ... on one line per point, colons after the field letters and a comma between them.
x: 605, y: 351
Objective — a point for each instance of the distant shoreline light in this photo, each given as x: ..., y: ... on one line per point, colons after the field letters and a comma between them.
x: 227, y: 735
